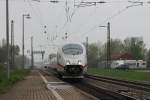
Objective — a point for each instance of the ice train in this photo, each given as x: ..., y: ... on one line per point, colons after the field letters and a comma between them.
x: 70, y: 61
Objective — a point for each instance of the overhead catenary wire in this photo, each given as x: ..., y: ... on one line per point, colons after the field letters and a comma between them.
x: 71, y: 15
x: 91, y: 4
x: 108, y: 19
x: 71, y: 1
x: 37, y: 13
x: 57, y: 25
x: 77, y: 7
x: 104, y: 21
x: 85, y: 24
x: 137, y: 3
x: 40, y: 19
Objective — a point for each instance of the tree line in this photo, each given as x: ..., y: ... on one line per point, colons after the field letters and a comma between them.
x: 17, y: 56
x: 3, y: 52
x: 132, y: 45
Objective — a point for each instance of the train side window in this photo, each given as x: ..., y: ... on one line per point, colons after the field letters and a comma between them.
x: 144, y: 63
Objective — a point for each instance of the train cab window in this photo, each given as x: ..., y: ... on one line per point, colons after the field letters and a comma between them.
x: 72, y: 49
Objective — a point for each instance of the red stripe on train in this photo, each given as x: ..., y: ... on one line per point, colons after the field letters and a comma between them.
x: 60, y: 65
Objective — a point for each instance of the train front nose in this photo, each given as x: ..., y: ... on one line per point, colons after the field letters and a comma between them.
x: 74, y: 69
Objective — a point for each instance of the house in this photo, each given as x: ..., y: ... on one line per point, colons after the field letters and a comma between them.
x: 122, y: 56
x: 126, y: 61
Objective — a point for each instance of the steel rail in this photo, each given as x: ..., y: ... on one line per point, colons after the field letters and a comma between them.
x: 97, y: 91
x: 102, y: 93
x: 131, y: 84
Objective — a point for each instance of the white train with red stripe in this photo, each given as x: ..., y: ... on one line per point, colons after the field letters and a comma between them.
x: 71, y: 60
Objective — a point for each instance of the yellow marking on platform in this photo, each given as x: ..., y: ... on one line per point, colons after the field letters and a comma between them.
x: 56, y: 82
x: 59, y: 86
x: 44, y: 79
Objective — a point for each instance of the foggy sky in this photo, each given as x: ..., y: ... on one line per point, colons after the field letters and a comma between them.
x: 130, y: 22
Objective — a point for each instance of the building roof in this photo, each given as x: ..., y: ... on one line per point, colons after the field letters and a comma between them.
x: 123, y: 56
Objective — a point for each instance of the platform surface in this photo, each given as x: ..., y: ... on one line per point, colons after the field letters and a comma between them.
x: 33, y: 87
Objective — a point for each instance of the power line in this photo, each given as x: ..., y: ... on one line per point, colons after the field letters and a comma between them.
x: 114, y: 15
x: 47, y: 36
x: 75, y: 9
x: 133, y: 4
x: 87, y: 3
x: 12, y: 45
x: 34, y: 11
x: 7, y: 38
x: 38, y: 14
x: 71, y: 15
x: 84, y: 4
x: 85, y: 23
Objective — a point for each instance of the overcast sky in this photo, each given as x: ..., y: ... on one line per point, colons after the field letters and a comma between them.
x: 133, y: 21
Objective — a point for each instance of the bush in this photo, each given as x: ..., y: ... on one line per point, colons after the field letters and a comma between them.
x: 2, y: 73
x: 18, y: 75
x: 15, y: 76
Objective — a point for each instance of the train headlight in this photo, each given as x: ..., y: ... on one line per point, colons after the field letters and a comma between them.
x: 79, y: 62
x: 67, y: 62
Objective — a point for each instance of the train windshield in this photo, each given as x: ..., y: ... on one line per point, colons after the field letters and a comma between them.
x: 72, y: 49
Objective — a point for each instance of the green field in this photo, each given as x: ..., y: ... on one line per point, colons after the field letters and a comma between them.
x: 133, y: 75
x: 15, y: 76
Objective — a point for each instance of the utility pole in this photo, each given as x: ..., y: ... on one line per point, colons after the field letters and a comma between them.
x: 87, y: 48
x: 87, y: 45
x: 32, y: 57
x: 108, y: 54
x: 108, y: 46
x: 23, y: 41
x: 7, y: 38
x: 27, y: 16
x: 12, y: 44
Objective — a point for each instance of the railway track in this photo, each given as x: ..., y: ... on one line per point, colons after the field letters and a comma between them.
x: 132, y: 90
x: 100, y: 92
x: 93, y: 89
x: 65, y: 89
x: 106, y: 88
x: 132, y: 84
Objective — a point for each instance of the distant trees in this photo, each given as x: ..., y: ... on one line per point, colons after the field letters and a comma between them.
x: 92, y: 55
x: 132, y: 45
x: 148, y: 59
x: 135, y: 46
x: 3, y: 52
x: 17, y: 61
x: 116, y: 46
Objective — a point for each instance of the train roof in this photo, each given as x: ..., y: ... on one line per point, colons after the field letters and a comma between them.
x: 70, y: 42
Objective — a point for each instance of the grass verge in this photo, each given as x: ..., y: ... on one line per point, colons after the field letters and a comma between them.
x: 15, y: 76
x: 132, y: 75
